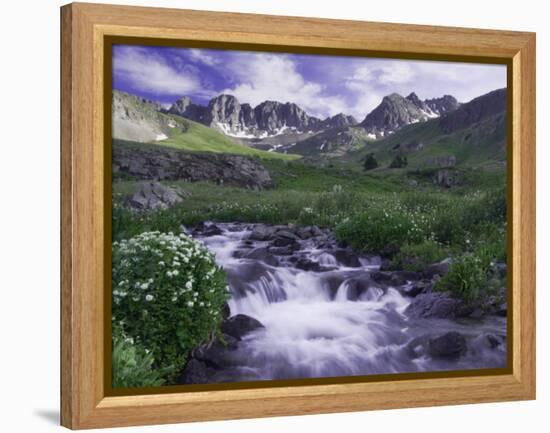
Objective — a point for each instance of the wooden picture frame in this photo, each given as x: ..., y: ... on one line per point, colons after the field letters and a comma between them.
x: 84, y: 211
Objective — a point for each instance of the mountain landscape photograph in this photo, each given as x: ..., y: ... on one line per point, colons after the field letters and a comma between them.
x: 280, y: 216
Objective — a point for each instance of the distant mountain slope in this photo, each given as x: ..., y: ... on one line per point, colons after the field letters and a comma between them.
x: 137, y: 120
x: 472, y: 135
x: 331, y: 142
x: 476, y: 110
x: 225, y: 113
x: 395, y: 111
x: 200, y: 138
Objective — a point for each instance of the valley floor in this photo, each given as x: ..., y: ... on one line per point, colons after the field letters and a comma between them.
x: 340, y: 272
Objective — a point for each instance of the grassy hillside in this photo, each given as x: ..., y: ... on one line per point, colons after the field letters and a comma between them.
x: 137, y: 120
x: 482, y: 144
x: 195, y: 137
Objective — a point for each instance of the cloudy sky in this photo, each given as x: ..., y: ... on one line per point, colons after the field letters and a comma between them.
x: 322, y: 85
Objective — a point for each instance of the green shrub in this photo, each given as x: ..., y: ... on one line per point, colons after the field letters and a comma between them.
x: 447, y: 226
x: 467, y: 277
x: 399, y: 162
x: 370, y: 162
x: 416, y: 257
x: 132, y: 364
x: 375, y: 228
x: 168, y: 294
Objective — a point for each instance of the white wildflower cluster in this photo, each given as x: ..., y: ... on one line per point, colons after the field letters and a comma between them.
x: 164, y: 267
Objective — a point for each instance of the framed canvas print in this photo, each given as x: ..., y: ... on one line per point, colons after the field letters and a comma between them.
x: 269, y: 216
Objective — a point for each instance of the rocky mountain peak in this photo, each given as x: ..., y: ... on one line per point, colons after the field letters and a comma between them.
x: 443, y: 105
x: 415, y: 99
x: 395, y: 111
x: 338, y: 121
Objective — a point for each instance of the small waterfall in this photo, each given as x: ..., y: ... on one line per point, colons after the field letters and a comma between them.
x: 330, y: 322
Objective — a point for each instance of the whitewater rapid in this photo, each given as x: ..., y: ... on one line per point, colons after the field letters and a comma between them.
x: 316, y: 324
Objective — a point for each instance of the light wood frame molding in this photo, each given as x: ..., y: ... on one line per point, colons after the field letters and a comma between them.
x: 83, y: 28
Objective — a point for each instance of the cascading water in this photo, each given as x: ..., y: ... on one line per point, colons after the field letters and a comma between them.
x: 317, y: 323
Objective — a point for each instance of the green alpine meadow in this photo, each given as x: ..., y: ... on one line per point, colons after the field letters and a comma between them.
x: 259, y: 237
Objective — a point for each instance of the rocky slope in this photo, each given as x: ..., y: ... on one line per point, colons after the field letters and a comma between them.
x: 475, y: 111
x: 472, y: 135
x: 138, y: 119
x: 396, y: 111
x: 270, y: 118
x: 151, y: 162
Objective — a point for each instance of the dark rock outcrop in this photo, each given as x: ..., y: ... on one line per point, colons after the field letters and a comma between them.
x: 240, y: 325
x: 153, y: 196
x: 162, y: 163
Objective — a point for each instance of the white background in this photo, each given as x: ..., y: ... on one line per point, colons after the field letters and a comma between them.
x: 29, y: 216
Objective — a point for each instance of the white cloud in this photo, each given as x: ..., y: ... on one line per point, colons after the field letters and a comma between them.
x: 262, y: 77
x: 372, y: 79
x: 384, y: 72
x: 151, y: 73
x: 202, y: 57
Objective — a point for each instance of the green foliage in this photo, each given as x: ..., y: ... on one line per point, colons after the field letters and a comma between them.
x: 168, y: 295
x: 472, y: 274
x: 365, y: 213
x: 200, y: 138
x: 132, y: 364
x: 370, y: 162
x: 415, y: 257
x: 374, y: 229
x: 466, y: 278
x: 399, y: 162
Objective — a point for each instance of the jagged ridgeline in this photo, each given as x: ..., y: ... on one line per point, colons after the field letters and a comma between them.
x: 138, y: 120
x: 430, y: 133
x: 471, y: 135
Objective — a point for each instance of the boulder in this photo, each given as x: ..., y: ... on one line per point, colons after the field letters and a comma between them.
x: 434, y: 269
x: 450, y: 345
x: 263, y: 255
x: 347, y: 257
x: 282, y: 251
x: 284, y: 241
x: 195, y: 371
x: 154, y: 196
x: 305, y: 232
x: 262, y: 232
x: 382, y: 276
x: 415, y: 289
x: 305, y: 264
x: 207, y: 228
x: 399, y: 278
x: 286, y: 234
x: 435, y: 304
x: 240, y: 325
x: 217, y: 353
